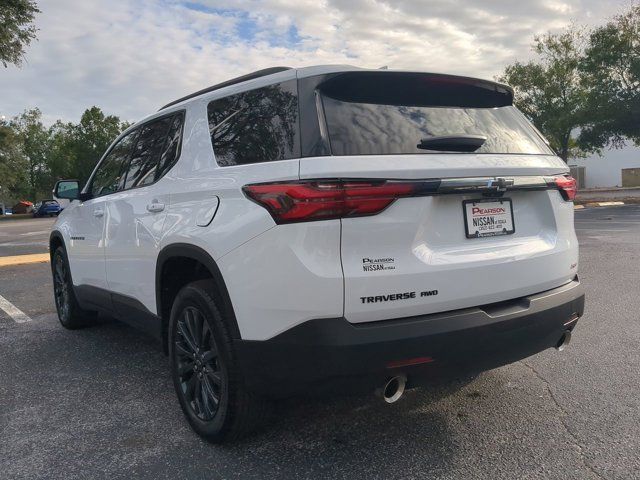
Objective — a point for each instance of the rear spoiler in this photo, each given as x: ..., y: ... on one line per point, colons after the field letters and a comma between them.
x: 418, y: 89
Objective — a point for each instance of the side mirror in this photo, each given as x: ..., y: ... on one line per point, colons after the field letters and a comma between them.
x: 68, y: 189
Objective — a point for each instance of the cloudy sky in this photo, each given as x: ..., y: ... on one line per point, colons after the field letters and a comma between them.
x: 131, y: 56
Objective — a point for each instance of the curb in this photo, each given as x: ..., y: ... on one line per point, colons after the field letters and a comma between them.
x: 24, y: 259
x: 597, y: 204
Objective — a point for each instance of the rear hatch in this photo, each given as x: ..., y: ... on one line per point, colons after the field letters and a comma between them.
x: 466, y: 204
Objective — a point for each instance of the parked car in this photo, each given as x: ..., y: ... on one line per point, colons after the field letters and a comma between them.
x: 46, y: 208
x: 324, y: 229
x: 23, y: 206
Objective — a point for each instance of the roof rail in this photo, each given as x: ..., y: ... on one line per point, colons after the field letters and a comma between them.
x: 250, y: 76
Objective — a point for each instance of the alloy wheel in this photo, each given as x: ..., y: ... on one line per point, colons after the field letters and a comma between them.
x: 61, y: 287
x: 198, y: 364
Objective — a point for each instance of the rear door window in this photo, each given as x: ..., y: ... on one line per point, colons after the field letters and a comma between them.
x: 172, y: 146
x: 255, y: 126
x: 146, y: 153
x: 110, y: 173
x: 156, y: 150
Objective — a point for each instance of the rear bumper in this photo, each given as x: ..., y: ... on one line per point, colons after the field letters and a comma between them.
x: 330, y: 354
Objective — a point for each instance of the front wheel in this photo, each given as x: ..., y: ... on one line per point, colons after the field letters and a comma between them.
x: 205, y: 369
x: 70, y: 314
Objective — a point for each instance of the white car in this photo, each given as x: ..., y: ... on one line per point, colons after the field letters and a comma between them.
x: 324, y: 229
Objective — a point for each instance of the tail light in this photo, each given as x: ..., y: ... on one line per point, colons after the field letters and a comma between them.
x: 303, y: 201
x: 289, y: 202
x: 567, y: 186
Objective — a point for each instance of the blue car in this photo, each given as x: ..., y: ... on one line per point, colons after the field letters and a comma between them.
x: 46, y: 208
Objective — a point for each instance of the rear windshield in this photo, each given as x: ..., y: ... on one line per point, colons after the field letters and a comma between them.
x: 376, y: 118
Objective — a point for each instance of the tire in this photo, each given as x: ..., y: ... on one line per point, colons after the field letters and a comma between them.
x: 210, y: 389
x: 70, y: 314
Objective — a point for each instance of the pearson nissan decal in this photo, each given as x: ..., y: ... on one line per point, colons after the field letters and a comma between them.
x: 377, y: 264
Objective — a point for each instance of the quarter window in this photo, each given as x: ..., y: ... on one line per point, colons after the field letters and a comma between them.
x: 256, y: 126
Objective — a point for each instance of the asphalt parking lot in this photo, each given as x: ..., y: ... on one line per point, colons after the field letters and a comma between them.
x: 20, y: 237
x: 98, y: 402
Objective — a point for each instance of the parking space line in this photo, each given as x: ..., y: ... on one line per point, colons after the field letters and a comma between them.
x: 599, y: 230
x: 24, y: 259
x: 14, y: 312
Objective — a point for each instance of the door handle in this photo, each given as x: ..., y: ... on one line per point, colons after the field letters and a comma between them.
x: 98, y: 213
x: 155, y: 207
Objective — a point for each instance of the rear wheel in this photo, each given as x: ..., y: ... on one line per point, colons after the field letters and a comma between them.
x: 205, y: 370
x: 70, y: 314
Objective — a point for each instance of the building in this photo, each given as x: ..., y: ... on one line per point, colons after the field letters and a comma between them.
x: 615, y: 168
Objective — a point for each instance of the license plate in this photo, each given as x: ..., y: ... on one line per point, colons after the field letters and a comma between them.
x: 488, y: 218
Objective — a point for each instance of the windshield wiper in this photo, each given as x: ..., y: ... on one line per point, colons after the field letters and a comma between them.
x: 453, y: 143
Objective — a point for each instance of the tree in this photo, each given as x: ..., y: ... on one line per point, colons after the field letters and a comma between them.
x: 16, y: 29
x: 92, y: 136
x: 611, y: 68
x: 33, y: 145
x: 550, y: 90
x: 76, y: 148
x: 62, y: 160
x: 33, y: 157
x: 12, y: 165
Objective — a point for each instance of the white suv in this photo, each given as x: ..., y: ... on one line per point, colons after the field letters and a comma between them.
x: 324, y: 228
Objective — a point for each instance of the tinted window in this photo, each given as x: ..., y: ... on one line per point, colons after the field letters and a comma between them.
x: 373, y: 129
x: 256, y: 126
x: 171, y: 150
x: 377, y: 113
x: 110, y: 173
x: 146, y: 153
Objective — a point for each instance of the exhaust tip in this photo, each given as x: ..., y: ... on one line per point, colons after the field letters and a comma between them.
x: 394, y: 388
x: 564, y: 341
